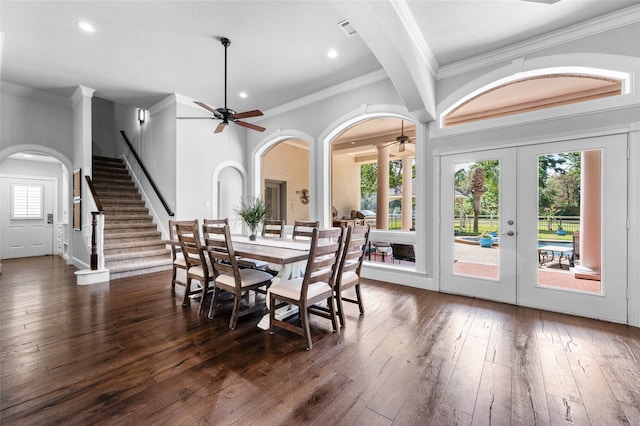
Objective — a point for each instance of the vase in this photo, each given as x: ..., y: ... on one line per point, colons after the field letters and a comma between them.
x: 253, y: 227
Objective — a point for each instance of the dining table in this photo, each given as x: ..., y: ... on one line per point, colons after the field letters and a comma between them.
x: 285, y: 255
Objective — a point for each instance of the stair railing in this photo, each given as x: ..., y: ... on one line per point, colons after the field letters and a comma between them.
x: 146, y: 173
x: 97, y: 229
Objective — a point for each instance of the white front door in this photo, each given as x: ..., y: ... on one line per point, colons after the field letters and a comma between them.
x: 466, y: 267
x: 529, y: 263
x: 26, y: 237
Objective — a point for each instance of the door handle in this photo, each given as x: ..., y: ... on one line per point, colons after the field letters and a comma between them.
x: 510, y: 233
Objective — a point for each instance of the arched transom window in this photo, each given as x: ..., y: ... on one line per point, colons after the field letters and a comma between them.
x: 532, y: 93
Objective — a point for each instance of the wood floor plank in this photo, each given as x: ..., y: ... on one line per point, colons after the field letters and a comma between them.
x: 128, y: 352
x: 493, y: 404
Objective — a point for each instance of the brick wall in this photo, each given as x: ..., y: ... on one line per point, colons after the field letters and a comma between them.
x: 289, y: 163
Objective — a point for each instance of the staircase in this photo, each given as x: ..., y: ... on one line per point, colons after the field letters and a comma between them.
x: 132, y: 243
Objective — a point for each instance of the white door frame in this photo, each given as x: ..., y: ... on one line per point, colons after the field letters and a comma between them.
x: 5, y: 222
x: 615, y: 260
x: 503, y: 288
x: 611, y: 304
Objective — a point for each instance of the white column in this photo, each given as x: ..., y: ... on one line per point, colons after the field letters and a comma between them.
x: 382, y: 199
x: 590, y: 216
x: 407, y: 193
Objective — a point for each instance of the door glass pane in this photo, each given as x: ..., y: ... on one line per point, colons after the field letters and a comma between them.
x: 476, y: 219
x: 570, y: 220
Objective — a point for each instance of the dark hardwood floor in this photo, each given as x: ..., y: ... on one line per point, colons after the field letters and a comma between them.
x: 127, y: 352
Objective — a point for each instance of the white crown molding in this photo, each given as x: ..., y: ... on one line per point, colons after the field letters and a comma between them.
x: 346, y: 86
x: 80, y: 92
x: 35, y: 94
x: 164, y: 103
x: 607, y: 22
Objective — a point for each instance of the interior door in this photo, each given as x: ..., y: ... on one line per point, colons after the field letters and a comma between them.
x: 594, y: 283
x: 485, y: 179
x: 26, y: 237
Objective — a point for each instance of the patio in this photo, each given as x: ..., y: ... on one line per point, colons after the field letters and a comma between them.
x: 483, y: 262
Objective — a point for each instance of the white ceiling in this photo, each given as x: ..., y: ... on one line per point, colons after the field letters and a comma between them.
x: 143, y: 50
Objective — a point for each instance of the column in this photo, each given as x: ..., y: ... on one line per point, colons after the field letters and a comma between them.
x: 590, y: 216
x: 382, y: 199
x: 407, y: 193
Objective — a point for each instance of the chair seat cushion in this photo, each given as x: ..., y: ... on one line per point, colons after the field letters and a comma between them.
x: 248, y: 277
x: 196, y: 271
x: 180, y: 262
x: 291, y: 289
x: 349, y: 278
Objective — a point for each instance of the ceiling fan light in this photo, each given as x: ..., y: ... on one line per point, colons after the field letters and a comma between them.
x: 401, y: 147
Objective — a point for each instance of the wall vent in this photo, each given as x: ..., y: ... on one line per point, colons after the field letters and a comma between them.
x: 347, y: 28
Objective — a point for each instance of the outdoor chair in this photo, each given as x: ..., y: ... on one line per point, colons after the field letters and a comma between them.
x: 403, y: 252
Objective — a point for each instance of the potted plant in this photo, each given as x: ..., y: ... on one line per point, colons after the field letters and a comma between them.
x: 251, y: 211
x: 485, y: 239
x: 561, y: 231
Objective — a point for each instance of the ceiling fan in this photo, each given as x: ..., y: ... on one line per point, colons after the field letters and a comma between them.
x: 226, y: 114
x: 402, y: 140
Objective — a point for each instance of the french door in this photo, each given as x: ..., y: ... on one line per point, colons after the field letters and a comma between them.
x: 466, y: 267
x: 528, y: 196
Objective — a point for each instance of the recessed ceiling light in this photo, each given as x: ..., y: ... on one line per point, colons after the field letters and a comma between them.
x: 85, y: 26
x: 332, y: 53
x: 243, y: 94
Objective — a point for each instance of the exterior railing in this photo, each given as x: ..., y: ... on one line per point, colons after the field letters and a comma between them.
x: 571, y: 224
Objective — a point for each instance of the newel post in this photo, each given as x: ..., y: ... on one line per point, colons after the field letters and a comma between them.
x: 94, y: 245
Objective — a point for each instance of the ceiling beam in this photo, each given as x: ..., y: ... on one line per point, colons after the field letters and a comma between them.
x: 388, y: 29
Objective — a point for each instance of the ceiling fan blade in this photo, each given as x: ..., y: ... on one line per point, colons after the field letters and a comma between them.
x: 250, y: 126
x: 208, y: 108
x: 220, y: 127
x: 247, y: 114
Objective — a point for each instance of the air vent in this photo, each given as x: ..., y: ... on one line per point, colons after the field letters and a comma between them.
x: 347, y: 28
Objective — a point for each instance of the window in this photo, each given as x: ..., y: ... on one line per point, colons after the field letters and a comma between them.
x: 26, y: 202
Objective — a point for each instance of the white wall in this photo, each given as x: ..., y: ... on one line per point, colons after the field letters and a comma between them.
x: 199, y: 152
x: 33, y: 117
x: 102, y: 124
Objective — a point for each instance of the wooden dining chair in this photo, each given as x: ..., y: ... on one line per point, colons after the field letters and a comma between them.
x: 273, y: 228
x: 195, y: 258
x: 227, y: 276
x: 348, y: 276
x: 316, y: 285
x: 304, y: 229
x: 177, y: 259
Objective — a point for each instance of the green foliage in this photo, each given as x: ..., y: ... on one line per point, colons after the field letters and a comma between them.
x: 251, y: 210
x: 559, y: 181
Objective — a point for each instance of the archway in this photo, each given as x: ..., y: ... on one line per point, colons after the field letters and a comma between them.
x: 37, y: 166
x: 229, y: 180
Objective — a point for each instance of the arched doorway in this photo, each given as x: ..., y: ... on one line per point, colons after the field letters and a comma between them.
x: 285, y: 180
x: 34, y: 187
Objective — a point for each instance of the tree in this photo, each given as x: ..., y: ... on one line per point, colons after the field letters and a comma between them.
x: 477, y: 189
